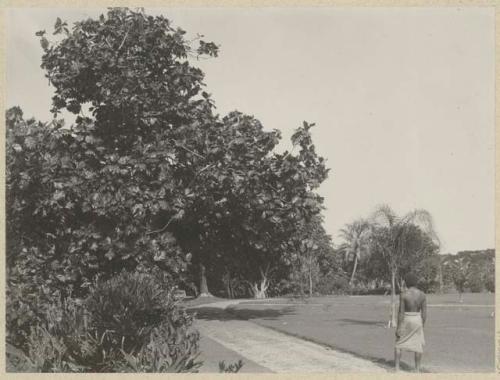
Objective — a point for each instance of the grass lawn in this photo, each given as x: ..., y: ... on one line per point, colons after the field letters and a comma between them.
x: 459, y: 337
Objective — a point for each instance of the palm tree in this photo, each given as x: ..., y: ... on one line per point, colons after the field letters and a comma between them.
x: 356, y: 243
x: 392, y: 235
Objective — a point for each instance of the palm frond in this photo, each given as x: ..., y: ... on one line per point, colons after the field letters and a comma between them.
x: 384, y: 215
x: 423, y: 220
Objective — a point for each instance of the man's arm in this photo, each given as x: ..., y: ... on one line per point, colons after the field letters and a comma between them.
x: 401, y: 314
x: 424, y: 310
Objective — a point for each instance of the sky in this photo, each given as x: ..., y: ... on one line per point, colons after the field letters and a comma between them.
x: 402, y: 98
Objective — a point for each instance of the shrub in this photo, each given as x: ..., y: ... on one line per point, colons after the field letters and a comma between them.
x: 359, y: 289
x: 27, y: 305
x: 141, y: 324
x: 127, y: 307
x: 429, y: 286
x: 230, y: 368
x: 363, y: 289
x: 284, y: 287
x: 128, y: 323
x: 332, y: 284
x: 86, y: 345
x: 47, y: 352
x: 20, y: 316
x: 168, y: 350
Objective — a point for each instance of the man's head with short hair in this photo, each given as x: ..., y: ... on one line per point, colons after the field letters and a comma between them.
x: 411, y: 280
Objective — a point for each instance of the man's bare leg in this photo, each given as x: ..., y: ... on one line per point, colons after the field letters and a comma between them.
x: 418, y: 360
x: 397, y: 358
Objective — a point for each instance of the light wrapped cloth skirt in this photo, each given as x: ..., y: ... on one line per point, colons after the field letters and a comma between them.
x: 412, y: 333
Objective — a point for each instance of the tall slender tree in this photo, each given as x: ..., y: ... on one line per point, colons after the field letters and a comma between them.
x: 311, y: 246
x: 356, y: 243
x: 392, y: 236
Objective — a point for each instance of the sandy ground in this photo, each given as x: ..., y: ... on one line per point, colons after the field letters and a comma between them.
x: 262, y: 348
x: 280, y: 352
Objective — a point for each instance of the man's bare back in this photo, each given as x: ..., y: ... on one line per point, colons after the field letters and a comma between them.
x: 414, y: 301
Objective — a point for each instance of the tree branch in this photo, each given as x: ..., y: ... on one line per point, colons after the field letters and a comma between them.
x: 107, y: 43
x: 289, y: 152
x: 187, y: 149
x: 123, y: 41
x: 163, y: 228
x: 174, y: 216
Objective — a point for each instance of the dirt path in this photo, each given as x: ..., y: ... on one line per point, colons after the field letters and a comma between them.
x: 277, y: 351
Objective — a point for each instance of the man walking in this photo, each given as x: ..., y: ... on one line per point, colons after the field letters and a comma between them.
x: 411, y: 321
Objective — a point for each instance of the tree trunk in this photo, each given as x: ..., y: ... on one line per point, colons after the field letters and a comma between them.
x: 399, y: 284
x: 460, y: 296
x: 259, y: 290
x: 203, y: 282
x: 194, y: 288
x: 227, y: 281
x: 354, y: 269
x: 310, y: 282
x: 441, y: 285
x: 230, y: 288
x: 392, y: 321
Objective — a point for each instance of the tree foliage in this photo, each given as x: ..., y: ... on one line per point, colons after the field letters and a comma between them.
x: 400, y: 238
x: 312, y: 257
x: 470, y: 270
x: 148, y: 175
x: 420, y: 257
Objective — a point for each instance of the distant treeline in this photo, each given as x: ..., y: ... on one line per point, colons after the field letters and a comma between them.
x: 465, y: 271
x: 472, y: 271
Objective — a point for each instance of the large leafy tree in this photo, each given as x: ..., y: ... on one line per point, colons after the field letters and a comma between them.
x: 148, y: 176
x: 249, y: 203
x: 395, y: 238
x: 102, y: 182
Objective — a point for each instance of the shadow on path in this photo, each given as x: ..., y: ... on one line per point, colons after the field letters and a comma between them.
x: 348, y: 321
x: 214, y: 313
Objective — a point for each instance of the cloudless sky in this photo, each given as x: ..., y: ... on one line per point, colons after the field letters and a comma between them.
x: 402, y: 98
